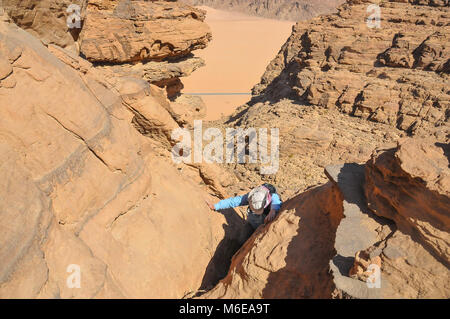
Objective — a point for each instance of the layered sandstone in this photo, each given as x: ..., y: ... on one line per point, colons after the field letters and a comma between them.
x: 395, y: 74
x: 87, y: 178
x: 411, y: 185
x: 134, y: 36
x: 46, y: 19
x: 81, y: 184
x: 127, y: 31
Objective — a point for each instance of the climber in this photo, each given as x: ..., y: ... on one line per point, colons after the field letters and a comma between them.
x: 263, y: 204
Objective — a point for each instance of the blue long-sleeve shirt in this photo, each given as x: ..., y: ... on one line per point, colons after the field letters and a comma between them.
x: 243, y: 200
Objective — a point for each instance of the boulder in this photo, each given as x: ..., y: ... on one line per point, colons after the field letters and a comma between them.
x: 410, y: 184
x: 128, y: 31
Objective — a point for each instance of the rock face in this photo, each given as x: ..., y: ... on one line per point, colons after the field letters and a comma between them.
x: 327, y: 242
x: 397, y: 74
x: 275, y: 9
x: 411, y: 185
x: 122, y: 33
x: 46, y: 19
x: 336, y: 91
x: 163, y: 74
x: 126, y: 31
x: 82, y: 187
x: 288, y: 258
x: 310, y: 139
x: 88, y: 187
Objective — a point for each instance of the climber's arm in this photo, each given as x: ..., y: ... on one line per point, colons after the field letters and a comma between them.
x: 232, y: 202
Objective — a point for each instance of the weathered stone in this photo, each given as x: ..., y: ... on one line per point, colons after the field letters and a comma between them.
x: 411, y: 185
x: 338, y: 61
x: 127, y: 31
x: 81, y: 186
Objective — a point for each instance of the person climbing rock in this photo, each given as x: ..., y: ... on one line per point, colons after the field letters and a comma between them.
x: 263, y: 204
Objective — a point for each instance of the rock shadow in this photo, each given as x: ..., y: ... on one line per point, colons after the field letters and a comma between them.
x: 306, y: 271
x: 237, y: 231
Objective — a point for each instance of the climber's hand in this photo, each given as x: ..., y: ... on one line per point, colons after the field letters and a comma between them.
x: 270, y: 216
x: 211, y: 206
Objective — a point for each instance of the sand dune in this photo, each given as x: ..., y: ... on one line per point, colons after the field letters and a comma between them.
x: 241, y: 48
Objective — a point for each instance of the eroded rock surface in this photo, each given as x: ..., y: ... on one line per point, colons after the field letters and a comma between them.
x: 292, y: 256
x: 81, y: 184
x: 411, y: 185
x: 46, y: 19
x: 126, y: 31
x: 126, y: 37
x: 397, y: 74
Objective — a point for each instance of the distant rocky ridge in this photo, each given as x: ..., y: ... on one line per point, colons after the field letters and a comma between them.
x: 397, y: 74
x: 292, y: 10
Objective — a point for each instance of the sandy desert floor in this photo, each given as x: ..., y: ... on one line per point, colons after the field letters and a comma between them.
x: 241, y: 48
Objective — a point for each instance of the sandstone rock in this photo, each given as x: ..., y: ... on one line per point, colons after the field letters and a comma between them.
x: 310, y: 139
x: 164, y: 74
x: 81, y: 186
x: 122, y: 32
x: 287, y: 258
x: 396, y: 74
x: 115, y: 30
x: 411, y: 185
x: 46, y: 19
x: 187, y: 108
x: 358, y: 230
x: 126, y: 31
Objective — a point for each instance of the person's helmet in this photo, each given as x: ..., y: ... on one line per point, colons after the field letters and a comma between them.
x: 258, y: 199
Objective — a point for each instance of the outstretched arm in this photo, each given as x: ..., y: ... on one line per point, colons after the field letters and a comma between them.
x: 232, y: 202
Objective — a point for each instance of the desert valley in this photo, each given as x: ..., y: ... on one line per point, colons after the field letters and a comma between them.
x: 349, y: 101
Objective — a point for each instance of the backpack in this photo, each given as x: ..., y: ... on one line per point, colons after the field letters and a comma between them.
x: 270, y: 187
x: 272, y: 191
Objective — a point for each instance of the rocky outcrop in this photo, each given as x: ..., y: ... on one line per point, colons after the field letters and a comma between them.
x: 127, y: 31
x: 411, y: 185
x: 163, y: 74
x: 310, y: 139
x: 328, y: 242
x: 289, y: 258
x: 133, y: 36
x: 83, y: 190
x: 358, y: 230
x: 396, y: 74
x: 275, y: 9
x: 46, y: 19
